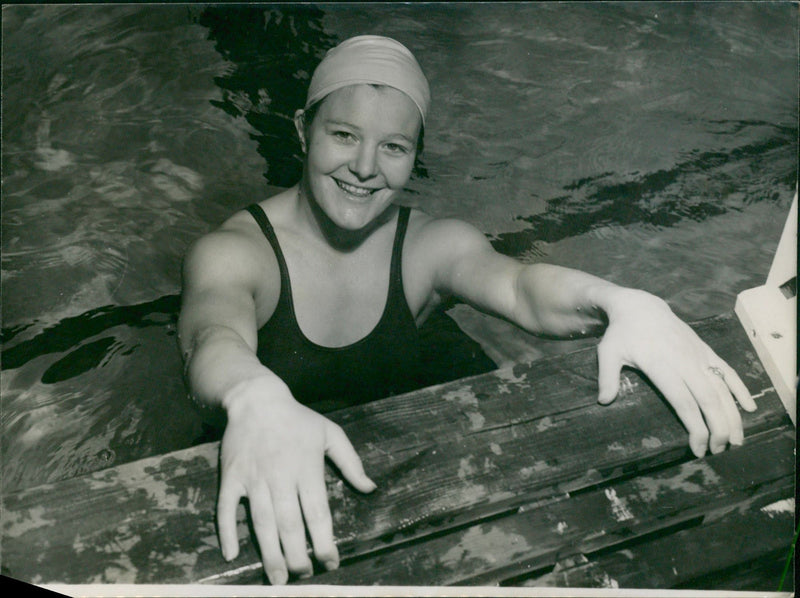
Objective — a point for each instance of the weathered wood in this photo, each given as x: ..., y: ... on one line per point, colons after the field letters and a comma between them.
x: 108, y: 526
x: 443, y: 457
x: 716, y: 554
x: 542, y: 536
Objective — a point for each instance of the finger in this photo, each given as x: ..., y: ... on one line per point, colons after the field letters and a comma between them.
x: 230, y: 493
x: 735, y: 429
x: 682, y: 401
x: 291, y: 529
x: 737, y: 387
x: 702, y: 388
x: 317, y: 514
x: 344, y: 456
x: 266, y: 531
x: 609, y: 366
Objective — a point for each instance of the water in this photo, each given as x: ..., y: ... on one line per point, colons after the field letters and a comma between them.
x: 652, y: 144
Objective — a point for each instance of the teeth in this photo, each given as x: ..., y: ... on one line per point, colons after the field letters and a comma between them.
x: 353, y: 190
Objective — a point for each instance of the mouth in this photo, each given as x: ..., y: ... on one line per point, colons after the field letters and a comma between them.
x: 355, y: 191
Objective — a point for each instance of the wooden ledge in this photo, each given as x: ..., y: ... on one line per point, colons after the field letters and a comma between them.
x: 516, y: 476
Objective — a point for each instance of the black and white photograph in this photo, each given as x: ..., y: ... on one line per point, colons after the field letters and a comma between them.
x: 350, y: 298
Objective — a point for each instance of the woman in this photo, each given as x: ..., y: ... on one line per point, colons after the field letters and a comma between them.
x: 310, y: 300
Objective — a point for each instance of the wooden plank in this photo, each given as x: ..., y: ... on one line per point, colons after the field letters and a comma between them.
x: 443, y: 457
x: 107, y: 526
x: 744, y: 550
x: 527, y: 391
x: 541, y: 536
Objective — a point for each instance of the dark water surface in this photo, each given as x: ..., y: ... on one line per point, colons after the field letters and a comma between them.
x: 652, y: 144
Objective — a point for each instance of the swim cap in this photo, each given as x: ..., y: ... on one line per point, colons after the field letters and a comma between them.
x: 370, y: 59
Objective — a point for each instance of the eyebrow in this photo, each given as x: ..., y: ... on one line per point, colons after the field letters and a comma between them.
x: 402, y: 136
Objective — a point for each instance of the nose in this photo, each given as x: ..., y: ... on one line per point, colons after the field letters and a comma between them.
x: 364, y: 164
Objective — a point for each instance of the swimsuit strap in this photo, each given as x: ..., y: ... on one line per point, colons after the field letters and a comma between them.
x: 396, y: 292
x: 396, y: 271
x: 266, y: 227
x: 382, y: 363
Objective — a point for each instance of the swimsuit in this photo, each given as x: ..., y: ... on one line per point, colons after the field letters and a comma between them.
x: 383, y: 363
x: 394, y: 358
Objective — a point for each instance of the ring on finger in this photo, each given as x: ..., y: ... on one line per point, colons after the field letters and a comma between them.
x: 716, y: 371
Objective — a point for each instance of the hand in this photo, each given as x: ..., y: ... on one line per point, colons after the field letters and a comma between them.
x: 273, y: 451
x: 645, y: 334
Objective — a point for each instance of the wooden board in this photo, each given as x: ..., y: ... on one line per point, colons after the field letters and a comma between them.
x: 743, y: 549
x: 447, y: 459
x: 544, y: 536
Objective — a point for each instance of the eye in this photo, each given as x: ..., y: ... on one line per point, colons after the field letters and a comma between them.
x: 342, y: 135
x: 396, y: 148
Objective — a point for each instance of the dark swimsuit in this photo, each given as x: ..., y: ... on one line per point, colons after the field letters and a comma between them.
x: 394, y: 358
x: 383, y: 363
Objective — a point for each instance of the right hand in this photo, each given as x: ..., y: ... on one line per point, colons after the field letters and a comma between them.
x: 273, y: 451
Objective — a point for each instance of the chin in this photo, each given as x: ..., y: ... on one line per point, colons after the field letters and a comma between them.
x: 356, y: 216
x: 357, y: 220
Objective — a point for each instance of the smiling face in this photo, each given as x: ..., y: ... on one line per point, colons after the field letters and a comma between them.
x: 360, y: 150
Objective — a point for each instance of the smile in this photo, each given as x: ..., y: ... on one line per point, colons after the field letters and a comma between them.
x: 360, y: 192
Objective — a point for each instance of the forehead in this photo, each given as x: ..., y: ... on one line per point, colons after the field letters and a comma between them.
x: 371, y: 105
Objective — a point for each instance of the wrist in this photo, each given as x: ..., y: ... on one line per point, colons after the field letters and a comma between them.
x: 246, y: 396
x: 617, y: 301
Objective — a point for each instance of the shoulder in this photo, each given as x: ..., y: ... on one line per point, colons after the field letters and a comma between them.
x: 439, y: 250
x: 441, y: 240
x: 458, y: 259
x: 236, y: 252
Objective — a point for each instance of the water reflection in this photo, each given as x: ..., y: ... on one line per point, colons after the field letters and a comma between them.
x: 651, y: 144
x: 656, y: 199
x: 273, y: 51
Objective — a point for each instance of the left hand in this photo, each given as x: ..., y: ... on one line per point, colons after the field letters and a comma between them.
x: 644, y: 333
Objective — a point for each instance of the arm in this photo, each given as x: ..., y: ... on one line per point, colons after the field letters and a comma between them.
x: 273, y: 448
x: 639, y: 329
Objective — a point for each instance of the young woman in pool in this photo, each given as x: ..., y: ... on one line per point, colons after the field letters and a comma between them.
x: 364, y: 273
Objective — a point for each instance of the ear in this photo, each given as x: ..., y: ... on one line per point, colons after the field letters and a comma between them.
x: 300, y: 126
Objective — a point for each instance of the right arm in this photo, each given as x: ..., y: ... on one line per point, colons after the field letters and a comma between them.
x: 217, y: 325
x: 273, y: 448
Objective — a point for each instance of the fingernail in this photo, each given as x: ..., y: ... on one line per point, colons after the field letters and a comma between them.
x: 277, y: 577
x: 331, y: 564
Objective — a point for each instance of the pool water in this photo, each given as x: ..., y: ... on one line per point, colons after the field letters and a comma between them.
x: 652, y: 144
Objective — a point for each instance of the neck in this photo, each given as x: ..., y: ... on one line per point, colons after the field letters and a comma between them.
x: 339, y: 238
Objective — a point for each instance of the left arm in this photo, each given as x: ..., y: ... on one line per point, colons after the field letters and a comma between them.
x: 639, y: 329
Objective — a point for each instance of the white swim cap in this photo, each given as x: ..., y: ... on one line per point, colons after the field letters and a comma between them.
x: 371, y: 59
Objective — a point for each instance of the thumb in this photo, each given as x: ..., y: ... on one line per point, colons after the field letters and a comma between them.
x: 344, y: 456
x: 609, y: 368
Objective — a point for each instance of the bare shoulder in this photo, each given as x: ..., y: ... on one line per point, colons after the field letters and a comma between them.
x: 458, y: 259
x: 235, y: 253
x: 437, y: 252
x: 438, y: 240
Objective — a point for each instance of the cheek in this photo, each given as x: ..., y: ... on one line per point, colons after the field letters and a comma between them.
x: 398, y: 172
x: 324, y: 156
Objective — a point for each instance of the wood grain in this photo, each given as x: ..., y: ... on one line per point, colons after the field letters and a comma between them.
x: 448, y: 459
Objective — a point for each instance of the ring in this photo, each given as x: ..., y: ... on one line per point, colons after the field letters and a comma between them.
x: 716, y: 371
